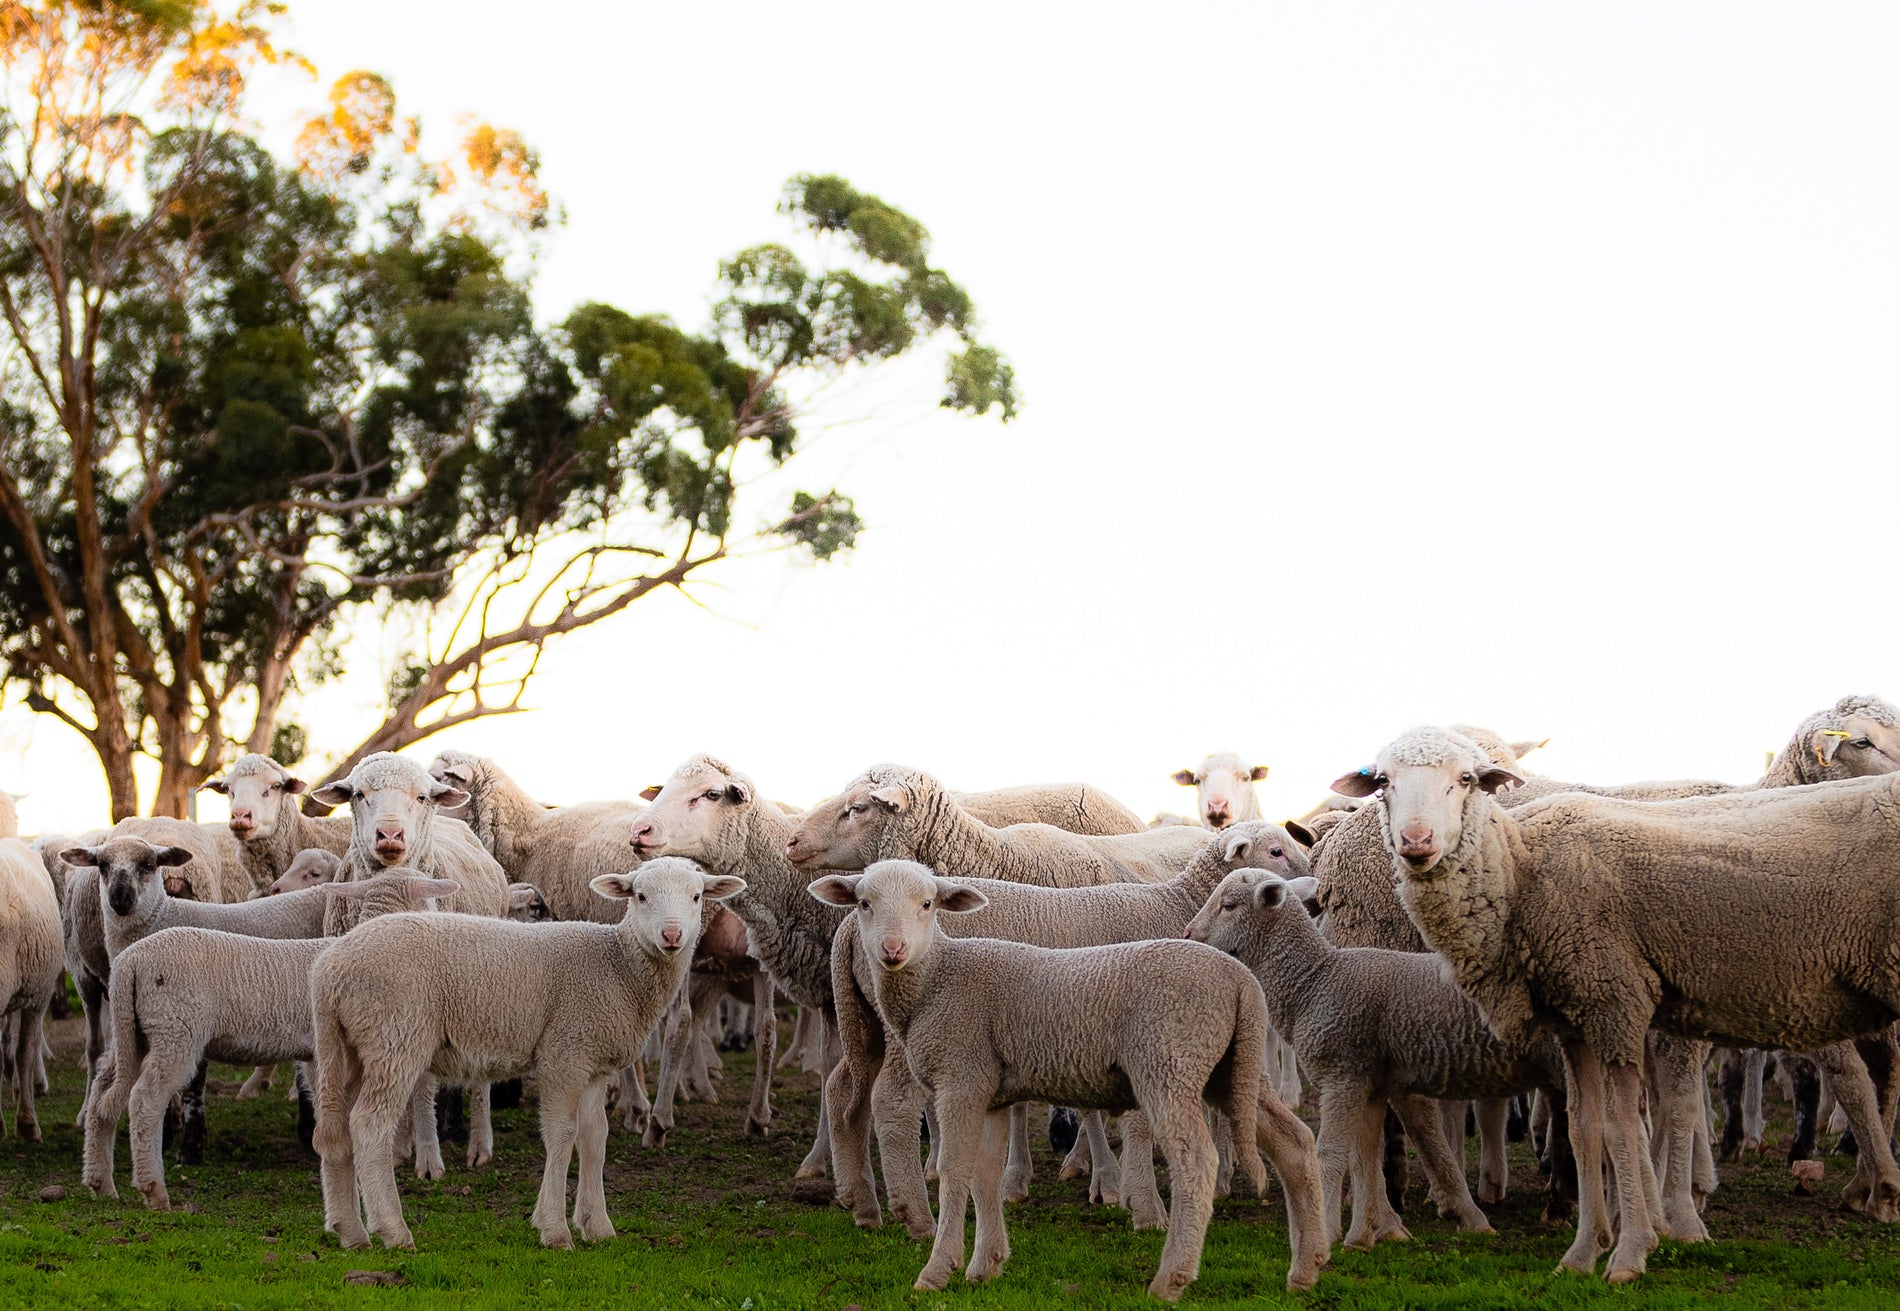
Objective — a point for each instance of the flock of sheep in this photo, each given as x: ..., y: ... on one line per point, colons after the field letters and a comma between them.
x: 1447, y: 931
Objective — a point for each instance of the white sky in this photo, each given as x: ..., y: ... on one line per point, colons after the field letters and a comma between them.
x: 1530, y: 365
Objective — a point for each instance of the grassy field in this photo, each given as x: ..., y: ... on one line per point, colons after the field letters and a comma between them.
x: 711, y: 1222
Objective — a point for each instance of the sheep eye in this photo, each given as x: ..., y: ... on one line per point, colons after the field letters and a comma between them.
x: 864, y: 905
x: 1228, y: 905
x: 639, y: 896
x: 695, y: 896
x: 1467, y: 778
x: 1862, y: 742
x: 1381, y: 780
x: 926, y: 905
x: 1275, y: 851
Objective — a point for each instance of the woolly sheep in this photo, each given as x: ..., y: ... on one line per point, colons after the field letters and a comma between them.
x: 558, y: 850
x: 1173, y: 1023
x: 844, y: 831
x: 1764, y: 918
x: 526, y: 905
x: 571, y: 1003
x: 183, y: 995
x: 711, y: 813
x: 393, y: 822
x: 1224, y: 790
x: 310, y: 867
x: 868, y: 1088
x: 1371, y: 1026
x: 215, y: 871
x: 265, y: 819
x: 84, y: 947
x: 924, y: 823
x: 31, y: 954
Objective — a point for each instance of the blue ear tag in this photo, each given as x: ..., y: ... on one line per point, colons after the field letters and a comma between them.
x: 1366, y: 772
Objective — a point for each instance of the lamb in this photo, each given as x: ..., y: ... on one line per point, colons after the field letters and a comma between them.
x: 84, y: 947
x: 1175, y: 1023
x: 393, y: 822
x: 558, y: 850
x: 265, y: 819
x: 709, y: 812
x: 215, y: 871
x: 845, y: 831
x: 1372, y: 1026
x: 185, y: 994
x: 31, y: 952
x: 867, y: 1087
x: 1224, y: 789
x: 572, y: 1003
x: 1764, y: 918
x: 924, y: 823
x: 310, y: 867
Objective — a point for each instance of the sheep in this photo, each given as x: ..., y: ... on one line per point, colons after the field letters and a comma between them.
x: 31, y: 954
x: 558, y: 850
x: 1764, y: 918
x: 844, y: 831
x: 1371, y: 1026
x: 924, y: 823
x: 310, y: 867
x: 215, y: 871
x: 1174, y: 1023
x: 709, y: 812
x: 393, y: 822
x: 868, y: 1088
x: 185, y: 994
x: 1223, y: 789
x: 84, y: 948
x: 526, y: 905
x: 265, y: 819
x: 472, y: 1000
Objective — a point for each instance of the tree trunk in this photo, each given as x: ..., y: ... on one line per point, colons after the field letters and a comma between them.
x: 115, y: 758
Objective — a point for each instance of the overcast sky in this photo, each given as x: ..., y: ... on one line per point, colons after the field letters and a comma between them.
x: 1529, y: 365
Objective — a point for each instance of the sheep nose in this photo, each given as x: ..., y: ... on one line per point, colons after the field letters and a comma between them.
x: 1417, y: 843
x: 892, y: 952
x: 389, y: 833
x: 670, y: 937
x: 1193, y: 934
x: 643, y: 835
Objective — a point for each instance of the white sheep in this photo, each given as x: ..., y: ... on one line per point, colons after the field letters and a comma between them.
x: 1173, y: 1023
x: 31, y: 954
x: 393, y: 822
x: 471, y: 1000
x: 184, y: 995
x: 310, y: 867
x: 266, y: 821
x: 1224, y: 790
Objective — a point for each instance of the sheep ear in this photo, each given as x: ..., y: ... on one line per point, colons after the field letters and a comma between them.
x: 1259, y: 773
x: 892, y: 799
x: 1522, y: 749
x: 616, y: 887
x: 334, y: 794
x: 1303, y: 888
x: 1359, y: 783
x: 648, y: 794
x: 1185, y: 777
x: 459, y: 775
x: 1270, y: 895
x: 87, y: 856
x: 1238, y: 845
x: 421, y: 890
x: 447, y: 795
x: 959, y: 898
x: 217, y: 785
x: 1826, y: 742
x: 836, y: 889
x: 173, y: 856
x: 522, y: 895
x: 1300, y: 833
x: 345, y: 890
x: 738, y: 793
x: 1496, y: 778
x: 721, y: 886
x: 295, y: 786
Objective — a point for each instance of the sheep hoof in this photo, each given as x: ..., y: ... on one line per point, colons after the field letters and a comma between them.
x: 758, y: 1128
x: 478, y: 1157
x: 1622, y: 1275
x: 1169, y: 1287
x: 352, y: 1238
x: 156, y: 1198
x: 1490, y: 1194
x: 1072, y: 1172
x: 1478, y: 1226
x: 595, y: 1229
x: 655, y: 1136
x: 400, y: 1241
x: 931, y: 1282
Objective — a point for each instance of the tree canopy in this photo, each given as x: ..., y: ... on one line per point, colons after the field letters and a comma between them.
x: 245, y: 399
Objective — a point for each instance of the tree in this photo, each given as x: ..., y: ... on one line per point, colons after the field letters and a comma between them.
x: 244, y: 401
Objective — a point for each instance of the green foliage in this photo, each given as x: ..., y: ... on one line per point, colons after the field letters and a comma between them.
x: 290, y: 743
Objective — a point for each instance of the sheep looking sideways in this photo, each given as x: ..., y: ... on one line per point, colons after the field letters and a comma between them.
x: 470, y: 1000
x: 1759, y: 918
x: 1171, y: 1023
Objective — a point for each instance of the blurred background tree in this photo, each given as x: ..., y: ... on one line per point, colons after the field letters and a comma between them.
x: 247, y: 401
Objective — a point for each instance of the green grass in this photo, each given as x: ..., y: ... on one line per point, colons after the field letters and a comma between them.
x: 711, y: 1222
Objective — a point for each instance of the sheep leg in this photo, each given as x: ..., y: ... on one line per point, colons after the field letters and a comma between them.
x: 1140, y: 1192
x: 560, y: 1116
x: 1018, y: 1172
x: 847, y: 1109
x: 379, y: 1100
x: 1287, y: 1143
x: 1494, y: 1167
x: 634, y: 1107
x: 27, y: 1072
x: 1875, y: 1185
x: 795, y: 1052
x: 991, y: 1245
x: 1703, y: 1179
x: 1635, y: 1173
x: 258, y: 1083
x: 1585, y: 1099
x: 675, y: 1050
x: 1338, y: 1144
x: 1221, y: 1129
x: 1363, y: 1124
x: 1181, y: 1131
x: 758, y: 1116
x: 426, y: 1142
x: 590, y: 1190
x: 481, y: 1129
x: 92, y: 999
x: 161, y: 1075
x: 897, y: 1106
x: 819, y: 1157
x: 105, y: 1104
x: 1423, y: 1125
x: 1105, y: 1172
x: 963, y: 1123
x: 1805, y: 1094
x: 1452, y: 1115
x: 338, y: 1079
x: 191, y: 1131
x: 1754, y: 1121
x: 936, y: 1139
x: 1881, y: 1055
x: 1397, y: 1174
x: 1079, y: 1155
x: 1677, y: 1067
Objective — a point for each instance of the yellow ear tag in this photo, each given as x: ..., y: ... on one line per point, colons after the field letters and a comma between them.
x: 1820, y: 759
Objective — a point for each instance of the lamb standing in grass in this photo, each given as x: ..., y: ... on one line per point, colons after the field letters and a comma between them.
x: 1372, y: 1026
x: 182, y: 995
x: 472, y: 1000
x: 1172, y: 1023
x: 1761, y: 918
